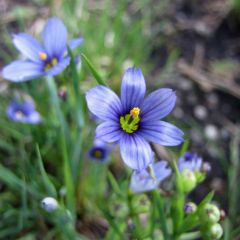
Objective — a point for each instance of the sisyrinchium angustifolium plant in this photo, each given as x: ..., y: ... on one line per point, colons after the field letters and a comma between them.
x: 151, y: 198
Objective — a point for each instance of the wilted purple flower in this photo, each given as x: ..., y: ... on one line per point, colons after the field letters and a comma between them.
x: 144, y: 180
x: 132, y: 121
x: 49, y: 58
x: 190, y: 161
x: 23, y: 112
x: 99, y: 151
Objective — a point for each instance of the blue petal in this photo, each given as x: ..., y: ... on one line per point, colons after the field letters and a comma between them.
x: 55, y: 37
x: 75, y: 42
x: 28, y: 46
x: 158, y: 104
x: 34, y: 118
x: 135, y: 151
x: 162, y: 133
x: 142, y: 182
x: 59, y: 67
x: 109, y: 132
x: 22, y: 70
x: 133, y: 89
x: 104, y: 103
x: 190, y: 161
x: 161, y: 170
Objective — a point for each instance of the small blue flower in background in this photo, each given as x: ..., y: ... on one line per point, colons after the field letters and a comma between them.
x: 99, y: 151
x: 23, y: 112
x: 49, y: 58
x: 190, y: 161
x: 143, y: 181
x: 132, y: 121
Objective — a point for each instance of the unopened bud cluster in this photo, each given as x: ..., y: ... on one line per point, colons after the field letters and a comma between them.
x: 209, y: 217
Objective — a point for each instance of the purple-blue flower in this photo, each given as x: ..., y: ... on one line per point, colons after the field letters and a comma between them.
x: 99, y: 151
x: 47, y: 58
x: 145, y: 180
x: 132, y: 120
x: 190, y: 161
x: 23, y: 112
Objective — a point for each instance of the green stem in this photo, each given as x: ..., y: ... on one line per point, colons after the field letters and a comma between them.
x: 190, y: 236
x: 162, y: 215
x: 66, y: 161
x: 134, y: 216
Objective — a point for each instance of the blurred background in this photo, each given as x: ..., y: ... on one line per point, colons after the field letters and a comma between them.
x: 192, y: 46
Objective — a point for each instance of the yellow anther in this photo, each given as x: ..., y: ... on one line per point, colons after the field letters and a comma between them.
x: 43, y: 56
x: 135, y: 112
x: 97, y: 154
x: 47, y: 67
x: 54, y: 61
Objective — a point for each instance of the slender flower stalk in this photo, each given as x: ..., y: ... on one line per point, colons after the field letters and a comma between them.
x: 47, y: 58
x: 132, y: 120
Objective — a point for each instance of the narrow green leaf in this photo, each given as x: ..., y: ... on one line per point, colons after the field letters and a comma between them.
x: 79, y: 106
x: 114, y: 183
x: 47, y: 182
x: 206, y: 200
x: 93, y: 71
x: 15, y: 182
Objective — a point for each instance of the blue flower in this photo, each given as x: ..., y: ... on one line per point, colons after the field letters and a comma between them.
x: 142, y: 181
x: 49, y: 58
x: 190, y: 161
x: 133, y: 121
x: 23, y: 112
x: 99, y: 151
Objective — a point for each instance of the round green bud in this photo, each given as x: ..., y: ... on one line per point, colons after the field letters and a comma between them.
x: 213, y: 232
x: 190, y: 208
x: 210, y: 213
x: 189, y: 180
x: 118, y: 208
x: 140, y: 203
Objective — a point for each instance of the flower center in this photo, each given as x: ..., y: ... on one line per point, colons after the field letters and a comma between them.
x: 97, y: 154
x: 43, y: 56
x: 19, y: 115
x: 48, y: 64
x: 129, y: 123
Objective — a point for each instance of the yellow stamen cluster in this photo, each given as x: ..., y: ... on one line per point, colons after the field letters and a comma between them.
x: 135, y: 112
x: 43, y: 56
x: 129, y: 123
x: 97, y: 154
x: 50, y: 64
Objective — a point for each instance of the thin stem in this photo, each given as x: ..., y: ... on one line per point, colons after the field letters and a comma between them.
x: 162, y: 216
x: 190, y: 236
x: 66, y: 161
x: 134, y: 216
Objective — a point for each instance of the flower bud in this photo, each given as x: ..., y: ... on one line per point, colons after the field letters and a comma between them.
x: 118, y: 208
x: 141, y: 203
x: 214, y: 232
x: 210, y: 213
x: 189, y: 180
x: 49, y: 204
x: 206, y: 167
x: 222, y: 215
x: 190, y: 207
x: 62, y: 93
